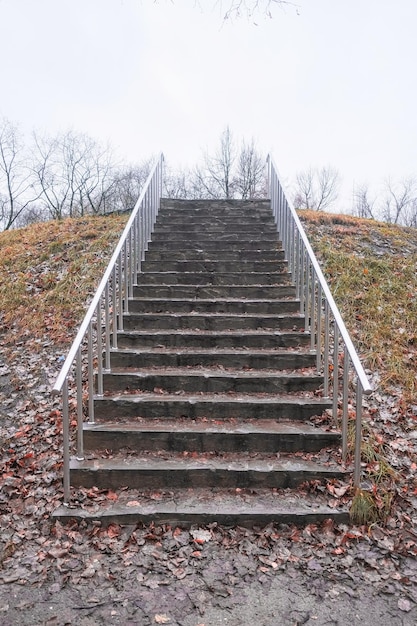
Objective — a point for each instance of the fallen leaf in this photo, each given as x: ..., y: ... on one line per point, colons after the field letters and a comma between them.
x: 200, y: 536
x: 161, y: 618
x: 404, y: 605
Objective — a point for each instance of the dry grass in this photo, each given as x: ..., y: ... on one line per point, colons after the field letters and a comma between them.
x: 48, y: 271
x: 371, y: 267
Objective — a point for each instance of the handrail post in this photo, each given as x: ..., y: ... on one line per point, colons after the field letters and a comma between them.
x: 345, y: 398
x: 66, y: 443
x: 80, y: 414
x: 358, y: 436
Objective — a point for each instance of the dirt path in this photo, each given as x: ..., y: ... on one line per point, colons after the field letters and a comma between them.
x: 288, y: 598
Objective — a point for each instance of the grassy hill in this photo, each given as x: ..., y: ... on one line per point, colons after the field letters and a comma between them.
x: 49, y: 271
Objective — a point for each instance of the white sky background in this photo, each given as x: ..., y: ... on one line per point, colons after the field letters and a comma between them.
x: 332, y: 83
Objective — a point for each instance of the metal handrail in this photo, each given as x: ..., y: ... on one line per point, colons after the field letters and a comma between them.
x: 97, y: 334
x: 318, y: 306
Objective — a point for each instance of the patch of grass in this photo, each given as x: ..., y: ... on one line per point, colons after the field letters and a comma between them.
x: 48, y: 272
x: 371, y: 267
x: 370, y: 506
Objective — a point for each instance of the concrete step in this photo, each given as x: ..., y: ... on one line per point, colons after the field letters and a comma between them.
x: 209, y: 306
x: 217, y: 267
x: 252, y: 207
x: 212, y: 245
x: 127, y: 407
x: 208, y: 278
x: 239, y: 358
x: 212, y: 321
x: 251, y: 292
x: 219, y: 221
x: 199, y: 237
x: 206, y: 380
x: 215, y: 220
x: 198, y: 507
x: 227, y: 212
x: 203, y: 339
x: 265, y: 436
x: 151, y: 471
x: 195, y: 254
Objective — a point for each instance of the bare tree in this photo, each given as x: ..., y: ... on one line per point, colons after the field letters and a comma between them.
x: 175, y: 184
x: 215, y: 178
x: 317, y: 189
x: 250, y: 179
x: 363, y: 205
x: 127, y: 184
x: 304, y: 195
x: 400, y: 199
x: 249, y: 8
x: 74, y: 174
x: 16, y: 182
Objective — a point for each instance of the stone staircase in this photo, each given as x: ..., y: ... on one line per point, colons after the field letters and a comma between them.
x: 209, y: 408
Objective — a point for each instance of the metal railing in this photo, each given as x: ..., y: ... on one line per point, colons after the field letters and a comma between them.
x: 329, y: 336
x: 97, y: 335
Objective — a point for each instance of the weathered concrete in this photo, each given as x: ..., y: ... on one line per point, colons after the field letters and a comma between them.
x: 124, y: 407
x: 214, y: 357
x: 164, y: 472
x: 212, y: 321
x: 212, y: 383
x: 204, y: 435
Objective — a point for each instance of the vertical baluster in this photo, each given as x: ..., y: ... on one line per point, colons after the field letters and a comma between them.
x: 135, y: 253
x: 307, y: 290
x: 319, y: 323
x: 125, y: 278
x: 99, y: 351
x: 90, y: 374
x: 115, y: 316
x: 66, y: 443
x: 358, y: 435
x: 297, y: 263
x: 326, y: 351
x: 335, y: 371
x: 120, y: 290
x: 80, y: 412
x: 107, y: 327
x: 345, y: 416
x: 302, y: 294
x: 312, y: 309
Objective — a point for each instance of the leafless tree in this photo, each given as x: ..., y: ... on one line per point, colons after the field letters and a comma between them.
x: 16, y: 182
x: 249, y: 8
x: 400, y: 200
x: 127, y: 184
x: 214, y: 179
x: 317, y: 189
x: 176, y: 185
x: 250, y: 179
x: 363, y: 205
x: 232, y: 172
x: 74, y: 173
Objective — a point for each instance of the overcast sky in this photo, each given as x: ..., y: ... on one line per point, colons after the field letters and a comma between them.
x: 332, y: 82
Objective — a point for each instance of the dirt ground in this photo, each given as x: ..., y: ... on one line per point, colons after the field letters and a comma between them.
x: 287, y: 598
